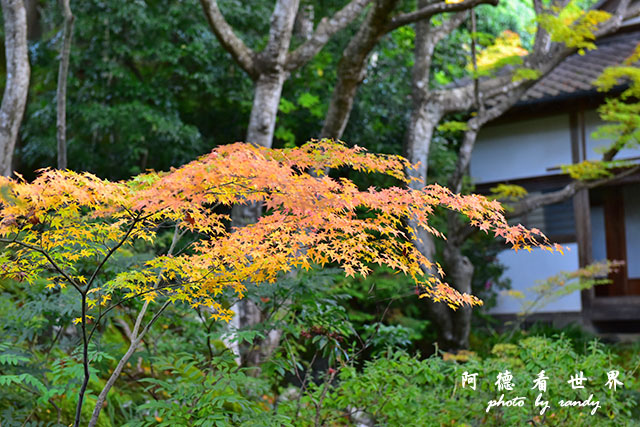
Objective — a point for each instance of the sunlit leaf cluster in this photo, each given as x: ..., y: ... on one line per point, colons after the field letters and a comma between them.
x: 509, y: 192
x: 506, y: 50
x: 622, y: 113
x: 62, y: 221
x: 573, y: 25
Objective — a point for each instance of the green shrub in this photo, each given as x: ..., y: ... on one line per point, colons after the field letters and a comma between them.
x: 397, y: 389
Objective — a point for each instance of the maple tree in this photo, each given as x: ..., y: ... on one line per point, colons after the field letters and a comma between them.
x: 57, y: 225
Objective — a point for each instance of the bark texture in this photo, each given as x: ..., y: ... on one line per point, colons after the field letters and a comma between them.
x: 61, y: 94
x: 303, y: 26
x: 427, y: 106
x: 16, y: 89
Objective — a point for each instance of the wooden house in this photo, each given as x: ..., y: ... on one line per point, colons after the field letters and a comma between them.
x: 551, y: 126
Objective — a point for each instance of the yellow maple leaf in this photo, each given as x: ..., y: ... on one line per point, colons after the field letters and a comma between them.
x: 79, y: 319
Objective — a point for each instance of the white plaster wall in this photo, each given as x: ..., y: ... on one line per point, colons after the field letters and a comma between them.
x: 521, y: 149
x: 592, y: 122
x: 524, y: 268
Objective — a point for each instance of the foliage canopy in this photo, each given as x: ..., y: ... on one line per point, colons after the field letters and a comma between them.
x: 65, y: 221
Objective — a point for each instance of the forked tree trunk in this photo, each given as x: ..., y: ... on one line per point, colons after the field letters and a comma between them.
x: 269, y: 69
x: 266, y: 99
x: 382, y: 19
x: 454, y: 326
x: 16, y: 87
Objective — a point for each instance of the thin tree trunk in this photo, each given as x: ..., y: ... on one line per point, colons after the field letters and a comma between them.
x: 303, y: 26
x: 136, y: 338
x: 61, y: 94
x: 262, y: 123
x: 454, y: 326
x: 16, y: 88
x: 460, y: 272
x: 34, y: 28
x: 264, y: 111
x: 341, y: 102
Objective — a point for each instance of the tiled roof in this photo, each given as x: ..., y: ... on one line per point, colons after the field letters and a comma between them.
x: 577, y: 73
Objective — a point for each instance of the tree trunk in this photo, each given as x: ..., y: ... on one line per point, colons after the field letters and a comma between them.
x: 341, y: 102
x: 16, y: 89
x: 61, y: 95
x: 34, y: 28
x: 262, y: 123
x: 352, y: 68
x: 303, y: 26
x: 381, y: 20
x: 454, y: 331
x: 425, y: 116
x: 264, y: 111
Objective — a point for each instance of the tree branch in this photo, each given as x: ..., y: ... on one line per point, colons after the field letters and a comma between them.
x: 434, y: 9
x: 621, y: 13
x: 283, y: 17
x: 439, y: 33
x: 512, y: 92
x: 111, y: 252
x: 323, y: 33
x: 473, y: 127
x: 51, y: 261
x: 352, y: 67
x: 243, y: 55
x: 132, y: 348
x: 136, y: 338
x: 633, y: 11
x: 535, y: 201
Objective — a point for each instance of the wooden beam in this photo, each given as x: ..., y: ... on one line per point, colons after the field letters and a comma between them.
x: 582, y: 215
x: 581, y: 205
x: 616, y: 240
